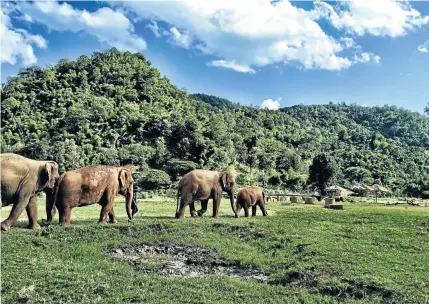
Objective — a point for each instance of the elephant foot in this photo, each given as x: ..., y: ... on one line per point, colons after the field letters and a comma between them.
x: 200, y: 213
x: 35, y: 226
x: 195, y: 214
x: 113, y: 221
x: 46, y: 223
x: 65, y: 224
x: 5, y: 227
x: 236, y: 216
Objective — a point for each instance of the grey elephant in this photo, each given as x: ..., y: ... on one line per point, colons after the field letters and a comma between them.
x: 21, y: 180
x: 251, y: 197
x: 91, y: 185
x: 202, y: 185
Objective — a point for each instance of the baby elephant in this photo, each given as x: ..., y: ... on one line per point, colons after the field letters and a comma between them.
x: 250, y: 196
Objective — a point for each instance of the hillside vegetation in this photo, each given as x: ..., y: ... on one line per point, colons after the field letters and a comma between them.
x: 115, y: 108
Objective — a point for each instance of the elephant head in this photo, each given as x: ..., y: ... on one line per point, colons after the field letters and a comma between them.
x: 227, y: 181
x: 126, y: 187
x: 48, y: 175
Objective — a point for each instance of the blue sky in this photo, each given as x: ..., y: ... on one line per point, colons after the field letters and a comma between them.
x: 255, y: 52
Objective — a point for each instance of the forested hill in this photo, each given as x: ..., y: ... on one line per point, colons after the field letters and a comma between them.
x: 115, y: 108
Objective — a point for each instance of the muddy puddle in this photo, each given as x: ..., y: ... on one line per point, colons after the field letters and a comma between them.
x: 180, y: 260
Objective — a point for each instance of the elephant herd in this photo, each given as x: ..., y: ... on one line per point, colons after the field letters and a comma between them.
x: 23, y: 178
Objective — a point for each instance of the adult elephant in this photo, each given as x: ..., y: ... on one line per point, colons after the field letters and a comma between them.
x: 202, y: 185
x: 91, y: 185
x: 22, y: 179
x: 250, y: 197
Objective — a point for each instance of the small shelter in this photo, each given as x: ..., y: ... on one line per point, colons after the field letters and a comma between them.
x: 376, y: 188
x: 361, y: 189
x: 338, y: 191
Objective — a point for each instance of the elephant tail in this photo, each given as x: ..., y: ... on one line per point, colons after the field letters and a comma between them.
x: 264, y: 197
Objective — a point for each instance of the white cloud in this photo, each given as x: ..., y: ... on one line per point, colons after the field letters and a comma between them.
x: 232, y: 65
x: 182, y: 39
x: 153, y: 26
x: 252, y: 33
x: 271, y: 104
x: 109, y: 26
x: 378, y: 18
x: 18, y: 43
x: 424, y: 48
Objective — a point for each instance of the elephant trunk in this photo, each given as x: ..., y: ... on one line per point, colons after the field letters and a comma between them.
x: 231, y: 198
x: 50, y: 206
x: 130, y: 203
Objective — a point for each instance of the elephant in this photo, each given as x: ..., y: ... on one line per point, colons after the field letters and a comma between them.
x: 250, y: 197
x: 90, y: 185
x: 202, y: 185
x: 22, y: 179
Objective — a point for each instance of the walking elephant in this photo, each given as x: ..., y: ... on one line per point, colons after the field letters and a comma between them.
x: 21, y: 180
x: 250, y: 197
x: 92, y: 185
x: 202, y: 185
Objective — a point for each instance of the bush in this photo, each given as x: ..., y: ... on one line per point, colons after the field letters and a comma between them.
x: 153, y: 179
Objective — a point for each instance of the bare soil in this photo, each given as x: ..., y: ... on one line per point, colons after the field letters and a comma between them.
x: 181, y: 260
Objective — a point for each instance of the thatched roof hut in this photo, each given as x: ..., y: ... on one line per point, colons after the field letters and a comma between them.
x: 379, y: 188
x: 361, y: 188
x: 338, y: 191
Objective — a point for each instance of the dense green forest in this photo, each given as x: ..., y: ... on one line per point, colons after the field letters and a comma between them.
x: 115, y: 108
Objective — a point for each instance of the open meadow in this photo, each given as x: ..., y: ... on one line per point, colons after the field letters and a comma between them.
x: 298, y: 254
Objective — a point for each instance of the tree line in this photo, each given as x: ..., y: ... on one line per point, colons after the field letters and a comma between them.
x: 115, y: 108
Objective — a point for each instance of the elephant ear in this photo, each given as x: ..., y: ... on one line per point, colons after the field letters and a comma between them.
x: 124, y: 177
x: 49, y: 174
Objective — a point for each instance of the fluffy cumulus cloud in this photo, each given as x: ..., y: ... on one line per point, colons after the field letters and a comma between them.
x: 378, y: 18
x: 232, y: 65
x: 244, y: 34
x: 182, y: 39
x: 271, y: 104
x: 18, y: 43
x: 109, y: 26
x: 153, y: 26
x: 424, y: 48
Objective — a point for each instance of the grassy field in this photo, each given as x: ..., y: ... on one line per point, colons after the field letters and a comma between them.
x: 362, y: 254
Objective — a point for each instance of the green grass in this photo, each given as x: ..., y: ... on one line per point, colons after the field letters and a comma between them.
x: 362, y: 254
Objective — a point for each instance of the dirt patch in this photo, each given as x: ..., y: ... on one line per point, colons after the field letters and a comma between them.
x: 181, y: 260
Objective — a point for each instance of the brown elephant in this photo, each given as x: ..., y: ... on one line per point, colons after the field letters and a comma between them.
x: 202, y: 185
x: 90, y: 185
x: 250, y: 197
x: 21, y: 180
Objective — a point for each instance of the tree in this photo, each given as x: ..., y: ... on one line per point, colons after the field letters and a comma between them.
x: 322, y: 172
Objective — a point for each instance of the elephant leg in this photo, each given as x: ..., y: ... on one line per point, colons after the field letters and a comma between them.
x: 238, y: 209
x: 246, y: 211
x: 254, y: 210
x: 216, y: 204
x: 103, y: 214
x: 32, y: 213
x: 17, y: 208
x: 192, y: 210
x: 65, y: 215
x: 203, y: 209
x: 107, y: 203
x: 112, y: 217
x: 180, y: 213
x: 263, y: 209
